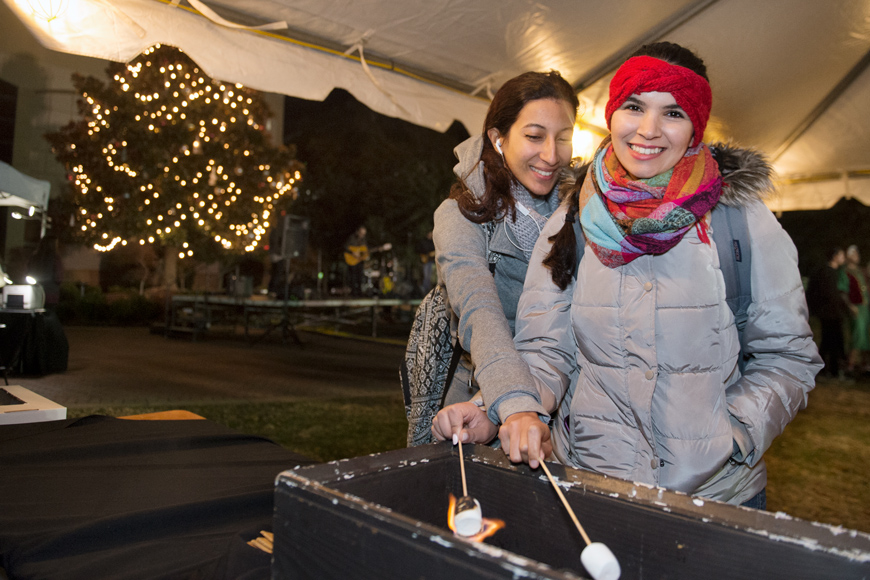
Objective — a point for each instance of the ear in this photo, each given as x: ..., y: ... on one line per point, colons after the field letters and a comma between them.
x: 494, y: 136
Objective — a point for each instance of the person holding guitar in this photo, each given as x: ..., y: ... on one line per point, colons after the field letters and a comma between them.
x: 356, y: 252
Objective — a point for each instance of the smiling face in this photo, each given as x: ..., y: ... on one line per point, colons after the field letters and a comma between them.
x: 538, y: 144
x: 650, y: 134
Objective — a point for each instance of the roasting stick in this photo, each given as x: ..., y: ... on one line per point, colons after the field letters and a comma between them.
x: 564, y: 502
x: 462, y: 470
x: 467, y: 518
x: 597, y: 558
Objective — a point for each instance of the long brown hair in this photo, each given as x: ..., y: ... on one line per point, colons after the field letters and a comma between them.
x: 504, y: 109
x: 562, y: 259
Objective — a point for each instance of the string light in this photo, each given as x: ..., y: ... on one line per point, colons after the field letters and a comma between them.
x: 158, y: 92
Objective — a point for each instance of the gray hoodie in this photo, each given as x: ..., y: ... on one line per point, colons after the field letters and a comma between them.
x: 484, y: 302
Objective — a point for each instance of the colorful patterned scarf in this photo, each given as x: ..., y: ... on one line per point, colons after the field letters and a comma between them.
x: 624, y: 219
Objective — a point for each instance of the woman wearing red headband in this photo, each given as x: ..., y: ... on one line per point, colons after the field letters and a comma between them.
x: 637, y: 358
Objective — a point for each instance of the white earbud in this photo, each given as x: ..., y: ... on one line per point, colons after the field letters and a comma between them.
x: 498, y: 147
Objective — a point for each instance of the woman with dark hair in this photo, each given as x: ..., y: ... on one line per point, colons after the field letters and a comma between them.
x: 506, y: 188
x: 634, y: 351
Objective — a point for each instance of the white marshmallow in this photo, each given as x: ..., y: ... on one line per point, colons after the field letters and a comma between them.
x: 468, y: 518
x: 600, y: 562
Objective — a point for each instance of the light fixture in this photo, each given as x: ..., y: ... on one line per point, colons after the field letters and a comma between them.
x: 48, y: 10
x: 30, y: 279
x: 583, y: 143
x: 30, y: 215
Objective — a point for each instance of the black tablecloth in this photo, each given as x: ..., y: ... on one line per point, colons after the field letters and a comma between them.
x: 110, y: 498
x: 33, y: 343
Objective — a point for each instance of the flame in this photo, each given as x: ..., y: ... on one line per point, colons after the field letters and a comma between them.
x: 490, y: 526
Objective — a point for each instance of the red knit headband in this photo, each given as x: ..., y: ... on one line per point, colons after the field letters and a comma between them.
x: 645, y: 74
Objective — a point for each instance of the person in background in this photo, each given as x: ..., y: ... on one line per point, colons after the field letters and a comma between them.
x: 426, y: 250
x: 638, y: 358
x: 277, y: 275
x: 506, y: 187
x: 356, y: 252
x: 831, y: 306
x: 854, y: 284
x: 46, y: 267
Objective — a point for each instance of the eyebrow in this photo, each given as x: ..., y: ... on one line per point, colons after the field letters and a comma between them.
x: 636, y: 101
x: 542, y: 128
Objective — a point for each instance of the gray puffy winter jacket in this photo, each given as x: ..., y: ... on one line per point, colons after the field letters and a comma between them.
x: 638, y: 364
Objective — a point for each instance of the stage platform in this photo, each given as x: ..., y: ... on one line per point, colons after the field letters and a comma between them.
x: 199, y: 314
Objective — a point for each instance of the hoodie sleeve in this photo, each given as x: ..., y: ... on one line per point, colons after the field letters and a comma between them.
x: 483, y: 329
x: 544, y: 333
x: 783, y: 359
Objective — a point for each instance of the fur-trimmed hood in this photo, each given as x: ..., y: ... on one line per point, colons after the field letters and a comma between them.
x: 746, y: 175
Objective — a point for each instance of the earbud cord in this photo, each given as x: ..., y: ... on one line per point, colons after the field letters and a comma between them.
x: 523, y: 210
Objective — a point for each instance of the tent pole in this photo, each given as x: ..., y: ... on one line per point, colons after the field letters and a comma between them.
x: 823, y: 106
x: 652, y: 35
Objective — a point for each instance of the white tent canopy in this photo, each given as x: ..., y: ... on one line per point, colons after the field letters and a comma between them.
x: 19, y: 190
x: 789, y: 77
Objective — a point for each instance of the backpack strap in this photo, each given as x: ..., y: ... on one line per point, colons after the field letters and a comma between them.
x: 458, y: 351
x: 735, y: 257
x: 491, y: 257
x: 580, y: 239
x: 731, y: 234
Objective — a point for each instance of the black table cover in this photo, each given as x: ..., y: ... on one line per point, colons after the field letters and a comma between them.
x: 33, y: 343
x: 101, y: 497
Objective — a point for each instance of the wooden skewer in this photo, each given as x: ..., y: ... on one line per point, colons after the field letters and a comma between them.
x: 565, y: 503
x: 462, y: 470
x: 260, y: 544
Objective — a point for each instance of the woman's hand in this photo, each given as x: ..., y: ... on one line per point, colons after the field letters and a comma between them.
x: 525, y: 439
x: 465, y: 420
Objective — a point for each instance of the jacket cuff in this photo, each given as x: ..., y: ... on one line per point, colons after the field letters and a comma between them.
x: 477, y: 400
x: 515, y: 402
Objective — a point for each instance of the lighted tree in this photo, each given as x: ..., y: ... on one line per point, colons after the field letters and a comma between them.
x: 165, y: 155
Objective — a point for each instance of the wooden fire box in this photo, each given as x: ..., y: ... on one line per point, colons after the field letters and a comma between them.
x: 385, y: 516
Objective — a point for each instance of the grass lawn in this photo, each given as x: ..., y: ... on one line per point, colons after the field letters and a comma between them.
x: 322, y: 429
x: 819, y: 469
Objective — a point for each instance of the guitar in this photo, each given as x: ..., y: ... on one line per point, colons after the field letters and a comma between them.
x: 357, y: 254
